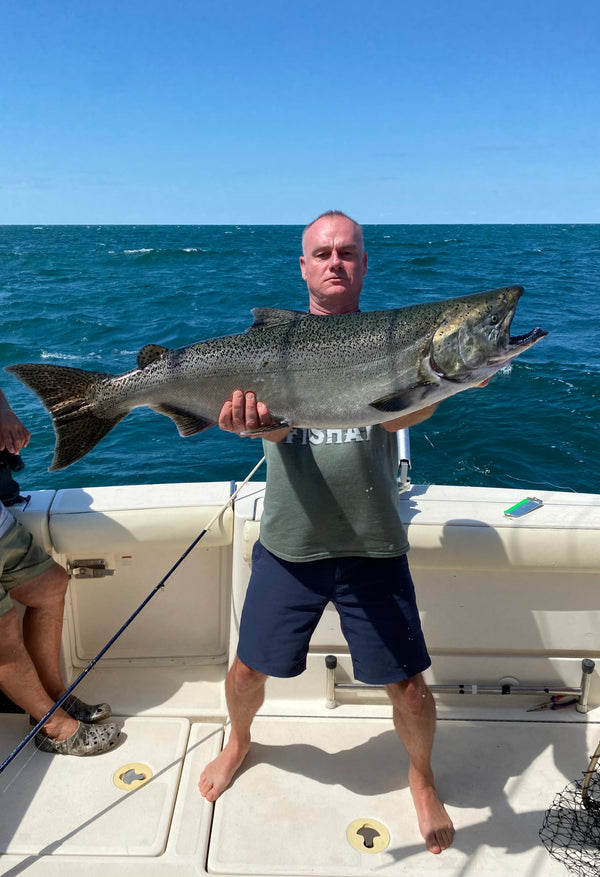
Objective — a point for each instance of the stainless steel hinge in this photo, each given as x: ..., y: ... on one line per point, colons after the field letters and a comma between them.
x: 93, y: 568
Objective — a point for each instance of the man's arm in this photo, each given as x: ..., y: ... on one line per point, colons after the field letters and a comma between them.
x: 409, y: 419
x: 243, y: 412
x: 13, y: 434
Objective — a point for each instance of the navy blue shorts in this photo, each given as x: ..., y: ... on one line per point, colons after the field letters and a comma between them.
x: 375, y: 599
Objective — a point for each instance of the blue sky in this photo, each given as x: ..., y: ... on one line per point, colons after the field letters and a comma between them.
x: 270, y: 111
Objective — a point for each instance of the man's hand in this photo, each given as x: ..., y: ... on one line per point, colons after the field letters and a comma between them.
x: 13, y: 434
x: 244, y: 413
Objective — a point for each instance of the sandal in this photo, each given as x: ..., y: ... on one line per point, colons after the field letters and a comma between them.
x: 86, y: 712
x: 87, y: 740
x: 90, y: 713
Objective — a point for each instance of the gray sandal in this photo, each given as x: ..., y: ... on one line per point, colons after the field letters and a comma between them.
x: 90, y: 713
x: 87, y: 740
x: 86, y: 712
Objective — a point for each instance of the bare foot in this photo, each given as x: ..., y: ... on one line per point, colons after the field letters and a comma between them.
x: 217, y: 775
x: 434, y: 823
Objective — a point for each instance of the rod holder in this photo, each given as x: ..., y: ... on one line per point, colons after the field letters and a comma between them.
x: 587, y: 668
x: 582, y: 692
x: 330, y: 664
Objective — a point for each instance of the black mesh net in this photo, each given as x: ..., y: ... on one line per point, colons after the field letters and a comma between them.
x: 571, y: 827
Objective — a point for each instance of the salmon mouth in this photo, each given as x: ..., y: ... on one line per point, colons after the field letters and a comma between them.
x: 518, y: 343
x: 529, y: 338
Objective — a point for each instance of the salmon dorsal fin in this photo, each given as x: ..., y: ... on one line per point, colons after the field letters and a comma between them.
x: 264, y: 318
x: 150, y: 353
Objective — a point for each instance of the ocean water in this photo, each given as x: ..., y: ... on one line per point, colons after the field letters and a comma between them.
x: 91, y: 296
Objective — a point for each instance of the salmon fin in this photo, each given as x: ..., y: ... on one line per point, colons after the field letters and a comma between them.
x: 264, y: 430
x: 265, y: 318
x: 65, y: 393
x: 401, y: 401
x: 150, y: 353
x: 186, y: 423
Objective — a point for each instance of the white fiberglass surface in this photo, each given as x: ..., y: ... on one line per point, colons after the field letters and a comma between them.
x: 306, y: 781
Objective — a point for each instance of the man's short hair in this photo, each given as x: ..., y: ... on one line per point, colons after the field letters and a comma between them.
x: 331, y: 213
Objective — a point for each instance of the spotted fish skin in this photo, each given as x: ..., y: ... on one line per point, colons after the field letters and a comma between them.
x: 346, y: 370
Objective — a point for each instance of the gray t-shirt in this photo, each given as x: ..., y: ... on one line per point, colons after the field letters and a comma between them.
x: 333, y: 493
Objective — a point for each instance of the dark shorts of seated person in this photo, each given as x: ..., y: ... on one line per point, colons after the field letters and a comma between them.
x: 375, y: 599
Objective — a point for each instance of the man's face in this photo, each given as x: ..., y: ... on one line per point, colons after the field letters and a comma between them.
x: 333, y: 265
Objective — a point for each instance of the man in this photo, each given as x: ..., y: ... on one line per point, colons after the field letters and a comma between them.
x: 30, y: 673
x: 331, y: 531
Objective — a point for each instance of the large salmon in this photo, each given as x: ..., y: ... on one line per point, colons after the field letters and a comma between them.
x: 311, y: 371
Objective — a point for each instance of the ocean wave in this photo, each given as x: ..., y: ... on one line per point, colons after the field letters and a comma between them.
x: 423, y: 261
x: 154, y: 253
x: 68, y: 357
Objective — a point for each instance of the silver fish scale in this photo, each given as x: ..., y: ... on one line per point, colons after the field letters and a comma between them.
x: 310, y: 343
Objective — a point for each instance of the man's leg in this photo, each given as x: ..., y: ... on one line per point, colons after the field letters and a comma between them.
x: 19, y: 679
x: 414, y: 720
x: 30, y: 671
x: 244, y: 691
x: 44, y: 599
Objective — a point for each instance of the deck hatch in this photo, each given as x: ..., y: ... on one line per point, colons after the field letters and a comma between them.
x: 309, y: 779
x: 85, y: 814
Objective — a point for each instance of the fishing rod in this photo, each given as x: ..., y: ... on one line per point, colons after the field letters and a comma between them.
x: 131, y: 618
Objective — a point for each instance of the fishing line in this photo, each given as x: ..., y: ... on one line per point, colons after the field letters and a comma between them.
x: 18, y: 773
x: 124, y: 626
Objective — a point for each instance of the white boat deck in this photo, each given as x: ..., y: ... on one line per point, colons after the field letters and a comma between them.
x: 304, y: 783
x: 499, y: 601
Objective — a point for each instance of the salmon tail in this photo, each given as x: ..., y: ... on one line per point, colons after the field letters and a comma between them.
x: 66, y: 394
